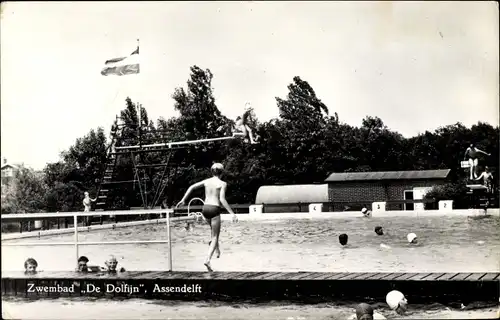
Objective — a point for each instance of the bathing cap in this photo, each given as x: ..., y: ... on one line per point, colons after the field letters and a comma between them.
x: 364, y: 312
x: 379, y: 230
x: 217, y: 166
x: 343, y: 239
x: 411, y: 237
x: 394, y: 299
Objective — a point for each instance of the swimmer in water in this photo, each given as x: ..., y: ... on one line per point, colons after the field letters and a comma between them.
x: 215, y: 196
x: 343, y: 239
x: 412, y: 238
x: 112, y: 265
x: 86, y: 201
x: 473, y: 153
x: 366, y: 213
x: 242, y: 127
x: 365, y: 312
x: 487, y: 179
x: 30, y: 266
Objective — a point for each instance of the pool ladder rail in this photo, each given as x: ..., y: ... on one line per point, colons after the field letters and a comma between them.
x: 197, y: 215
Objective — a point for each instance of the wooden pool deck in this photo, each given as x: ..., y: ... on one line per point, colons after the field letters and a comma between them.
x: 258, y: 286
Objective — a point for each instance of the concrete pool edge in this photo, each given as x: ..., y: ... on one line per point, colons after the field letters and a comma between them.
x: 265, y: 216
x: 264, y: 286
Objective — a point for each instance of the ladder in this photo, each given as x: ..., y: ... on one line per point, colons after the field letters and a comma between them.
x: 109, y: 167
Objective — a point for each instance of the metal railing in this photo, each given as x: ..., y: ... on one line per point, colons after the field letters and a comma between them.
x: 75, y: 215
x: 197, y: 215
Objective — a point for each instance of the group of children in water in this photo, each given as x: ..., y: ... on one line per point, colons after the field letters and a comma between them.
x: 379, y: 230
x: 111, y: 266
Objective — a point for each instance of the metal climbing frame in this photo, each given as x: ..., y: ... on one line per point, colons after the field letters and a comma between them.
x: 113, y: 152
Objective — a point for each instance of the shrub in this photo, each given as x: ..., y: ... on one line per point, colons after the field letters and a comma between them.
x: 450, y: 191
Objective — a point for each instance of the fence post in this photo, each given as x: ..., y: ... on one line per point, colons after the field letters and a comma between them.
x: 167, y: 215
x: 75, y: 221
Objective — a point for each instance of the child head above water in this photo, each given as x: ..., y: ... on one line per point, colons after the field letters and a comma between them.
x: 343, y: 239
x: 112, y: 264
x: 82, y: 264
x: 30, y: 265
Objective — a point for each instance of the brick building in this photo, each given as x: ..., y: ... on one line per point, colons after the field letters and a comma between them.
x: 353, y: 189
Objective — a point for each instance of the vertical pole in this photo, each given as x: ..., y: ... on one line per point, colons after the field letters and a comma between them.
x: 169, y: 238
x: 75, y: 221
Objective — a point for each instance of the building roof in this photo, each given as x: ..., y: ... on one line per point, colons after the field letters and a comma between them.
x: 388, y: 175
x: 304, y: 193
x: 8, y: 165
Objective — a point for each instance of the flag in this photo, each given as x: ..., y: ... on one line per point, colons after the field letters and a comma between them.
x: 122, y: 66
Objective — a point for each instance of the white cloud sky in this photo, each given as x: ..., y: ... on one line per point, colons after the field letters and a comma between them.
x: 416, y: 65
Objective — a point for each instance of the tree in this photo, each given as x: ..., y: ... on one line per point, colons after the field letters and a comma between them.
x: 86, y: 159
x: 299, y: 146
x: 25, y: 193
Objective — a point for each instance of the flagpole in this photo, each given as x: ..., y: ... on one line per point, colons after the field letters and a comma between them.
x: 139, y: 103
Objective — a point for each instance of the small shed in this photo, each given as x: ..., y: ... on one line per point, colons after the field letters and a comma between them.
x: 291, y: 194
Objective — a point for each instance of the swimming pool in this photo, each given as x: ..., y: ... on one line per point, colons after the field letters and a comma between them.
x: 447, y: 244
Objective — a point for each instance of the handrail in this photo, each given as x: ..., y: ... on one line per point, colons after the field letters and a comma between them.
x: 189, y: 203
x: 83, y: 214
x: 198, y: 215
x: 75, y: 216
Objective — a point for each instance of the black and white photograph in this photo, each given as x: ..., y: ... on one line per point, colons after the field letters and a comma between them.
x: 288, y: 160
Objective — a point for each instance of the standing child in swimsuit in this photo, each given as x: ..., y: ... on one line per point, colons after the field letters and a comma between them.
x: 86, y: 202
x: 242, y: 128
x: 487, y: 179
x: 215, y: 196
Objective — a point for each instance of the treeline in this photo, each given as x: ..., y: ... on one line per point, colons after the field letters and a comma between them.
x: 304, y: 144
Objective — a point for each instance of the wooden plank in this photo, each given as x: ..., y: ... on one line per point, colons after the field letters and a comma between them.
x: 222, y: 275
x: 374, y: 275
x: 490, y: 276
x: 432, y: 276
x: 364, y: 276
x: 253, y: 275
x: 475, y: 276
x: 338, y: 276
x: 200, y: 276
x: 231, y: 275
x: 296, y: 275
x: 260, y: 276
x: 311, y: 275
x: 395, y: 276
x: 352, y: 276
x: 406, y: 276
x: 460, y: 276
x: 418, y: 276
x: 384, y: 276
x: 319, y: 276
x: 242, y: 276
x: 286, y: 275
x: 272, y: 275
x: 446, y: 276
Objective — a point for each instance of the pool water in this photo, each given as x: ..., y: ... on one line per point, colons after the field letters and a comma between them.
x: 446, y: 244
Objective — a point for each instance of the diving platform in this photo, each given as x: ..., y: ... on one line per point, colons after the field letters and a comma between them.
x: 169, y: 145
